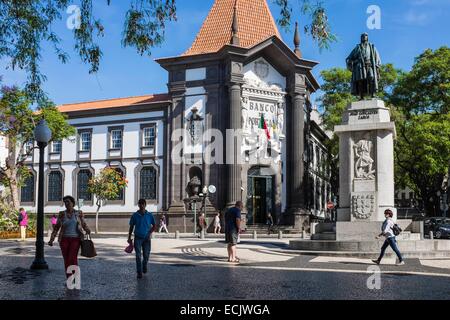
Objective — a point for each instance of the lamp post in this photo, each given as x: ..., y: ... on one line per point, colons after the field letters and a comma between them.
x: 42, y: 135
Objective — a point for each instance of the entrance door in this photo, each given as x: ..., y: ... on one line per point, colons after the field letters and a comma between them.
x: 259, y: 200
x: 260, y: 195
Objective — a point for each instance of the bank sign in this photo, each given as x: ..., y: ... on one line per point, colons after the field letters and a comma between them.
x: 254, y: 111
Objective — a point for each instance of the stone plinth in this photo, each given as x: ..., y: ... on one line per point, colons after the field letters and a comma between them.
x: 366, y: 154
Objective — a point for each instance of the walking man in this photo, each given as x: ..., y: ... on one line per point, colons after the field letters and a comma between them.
x: 232, y: 229
x: 388, y: 233
x: 143, y: 224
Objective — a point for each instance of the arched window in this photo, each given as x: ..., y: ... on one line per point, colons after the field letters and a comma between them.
x: 148, y: 185
x: 27, y: 189
x: 83, y: 178
x: 55, y: 184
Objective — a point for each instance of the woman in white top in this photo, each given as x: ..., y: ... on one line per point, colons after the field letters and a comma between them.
x: 217, y: 226
x: 388, y: 233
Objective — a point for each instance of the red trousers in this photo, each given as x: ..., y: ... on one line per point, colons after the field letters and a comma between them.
x: 69, y: 250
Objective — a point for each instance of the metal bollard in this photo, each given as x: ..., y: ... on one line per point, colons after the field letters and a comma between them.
x: 280, y: 234
x: 431, y: 235
x: 177, y: 234
x: 255, y: 235
x: 304, y: 234
x: 202, y: 235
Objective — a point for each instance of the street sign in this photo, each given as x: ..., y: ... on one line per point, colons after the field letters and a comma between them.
x: 330, y: 205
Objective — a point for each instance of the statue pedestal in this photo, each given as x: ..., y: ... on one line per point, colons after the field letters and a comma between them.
x: 366, y: 155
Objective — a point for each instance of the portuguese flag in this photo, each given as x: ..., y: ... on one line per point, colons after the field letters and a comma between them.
x: 263, y: 125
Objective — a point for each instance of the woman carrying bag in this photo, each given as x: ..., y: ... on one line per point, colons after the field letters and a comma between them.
x: 72, y: 230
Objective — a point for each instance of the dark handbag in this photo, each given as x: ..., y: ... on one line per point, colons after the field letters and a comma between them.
x: 87, y: 247
x: 396, y: 229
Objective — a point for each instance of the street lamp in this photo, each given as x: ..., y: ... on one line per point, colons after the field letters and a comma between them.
x: 42, y: 135
x: 205, y: 194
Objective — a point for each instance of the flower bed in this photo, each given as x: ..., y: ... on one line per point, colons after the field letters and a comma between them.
x: 16, y: 234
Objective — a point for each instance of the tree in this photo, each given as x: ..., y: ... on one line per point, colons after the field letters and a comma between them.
x: 107, y: 185
x: 17, y: 123
x: 25, y: 26
x: 422, y: 151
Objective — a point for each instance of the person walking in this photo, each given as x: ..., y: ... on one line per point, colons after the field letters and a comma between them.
x: 53, y: 221
x: 71, y: 227
x: 163, y: 223
x: 143, y: 224
x: 23, y: 223
x: 269, y: 223
x: 217, y: 226
x: 232, y: 230
x: 388, y: 233
x: 201, y: 224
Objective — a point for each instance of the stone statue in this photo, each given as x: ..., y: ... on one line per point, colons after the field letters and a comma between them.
x: 365, y: 64
x: 364, y: 162
x: 193, y: 187
x: 245, y: 114
x: 280, y: 120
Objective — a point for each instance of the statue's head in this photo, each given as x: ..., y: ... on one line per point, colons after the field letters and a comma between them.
x: 364, y: 38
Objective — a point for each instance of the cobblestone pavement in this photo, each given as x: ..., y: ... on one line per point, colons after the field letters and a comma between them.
x: 197, y: 269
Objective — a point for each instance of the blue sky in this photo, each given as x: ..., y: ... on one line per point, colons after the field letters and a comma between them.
x: 408, y: 27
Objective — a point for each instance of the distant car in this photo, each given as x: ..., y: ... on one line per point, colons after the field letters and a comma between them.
x: 443, y: 230
x: 439, y: 226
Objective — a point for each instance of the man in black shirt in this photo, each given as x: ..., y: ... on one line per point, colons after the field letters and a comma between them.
x: 232, y: 229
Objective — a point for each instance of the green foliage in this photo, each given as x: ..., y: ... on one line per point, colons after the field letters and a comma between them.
x: 318, y: 28
x: 17, y: 123
x: 426, y: 89
x: 107, y: 185
x: 336, y: 97
x: 8, y: 216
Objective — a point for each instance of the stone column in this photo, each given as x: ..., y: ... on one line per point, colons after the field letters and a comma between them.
x: 234, y: 170
x: 296, y: 212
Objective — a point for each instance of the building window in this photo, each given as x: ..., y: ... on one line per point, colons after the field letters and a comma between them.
x: 56, y: 147
x: 116, y: 139
x: 29, y: 147
x: 148, y: 183
x: 411, y: 195
x: 27, y: 190
x: 121, y: 194
x: 85, y: 141
x: 83, y: 178
x: 55, y: 183
x: 149, y: 134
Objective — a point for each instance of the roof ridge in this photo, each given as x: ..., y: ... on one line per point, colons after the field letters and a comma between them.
x: 121, y: 98
x: 254, y: 18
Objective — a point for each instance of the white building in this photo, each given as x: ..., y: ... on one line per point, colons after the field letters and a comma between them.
x: 126, y: 134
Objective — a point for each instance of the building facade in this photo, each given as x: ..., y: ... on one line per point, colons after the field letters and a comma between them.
x: 237, y: 115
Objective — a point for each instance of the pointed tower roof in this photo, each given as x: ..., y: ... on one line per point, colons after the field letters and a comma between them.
x: 254, y: 19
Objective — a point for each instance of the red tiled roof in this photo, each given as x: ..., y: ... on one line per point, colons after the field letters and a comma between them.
x: 255, y: 24
x: 113, y: 103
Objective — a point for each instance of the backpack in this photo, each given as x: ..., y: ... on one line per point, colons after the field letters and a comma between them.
x: 20, y: 217
x: 396, y: 229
